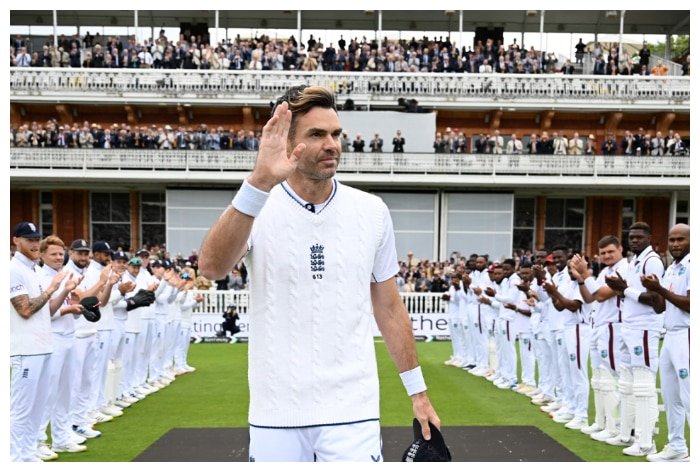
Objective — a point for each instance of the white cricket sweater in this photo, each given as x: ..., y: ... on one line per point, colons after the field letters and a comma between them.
x: 311, y: 351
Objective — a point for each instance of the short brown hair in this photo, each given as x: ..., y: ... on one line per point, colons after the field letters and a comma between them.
x: 302, y: 99
x: 51, y: 240
x: 608, y: 240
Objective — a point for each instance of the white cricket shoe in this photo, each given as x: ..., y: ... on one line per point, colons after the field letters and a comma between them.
x: 603, y: 435
x: 449, y: 361
x: 44, y: 453
x: 189, y: 368
x: 577, y: 423
x: 70, y: 447
x: 620, y: 441
x: 76, y: 438
x: 551, y: 407
x: 669, y: 455
x: 638, y: 451
x: 562, y: 416
x: 86, y: 431
x: 100, y: 417
x: 593, y: 428
x: 112, y: 410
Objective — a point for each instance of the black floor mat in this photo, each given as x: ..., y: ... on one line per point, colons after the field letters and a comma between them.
x: 467, y: 444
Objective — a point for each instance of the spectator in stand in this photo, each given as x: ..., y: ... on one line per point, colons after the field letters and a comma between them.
x: 532, y: 145
x: 23, y: 58
x: 375, y: 145
x: 568, y: 68
x: 358, y: 145
x: 544, y: 146
x: 610, y: 145
x: 439, y: 144
x: 398, y: 142
x: 580, y: 50
x: 344, y: 142
x: 514, y: 146
x: 685, y: 67
x: 236, y: 281
x: 644, y: 55
x: 659, y: 69
x: 575, y: 145
x: 599, y: 67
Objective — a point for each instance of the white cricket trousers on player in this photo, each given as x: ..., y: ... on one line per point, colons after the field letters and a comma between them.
x: 84, y: 379
x: 674, y: 369
x: 59, y: 399
x: 354, y: 442
x: 29, y: 385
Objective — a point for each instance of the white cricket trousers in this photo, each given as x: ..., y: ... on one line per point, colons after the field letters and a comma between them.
x: 507, y: 357
x: 84, y: 378
x: 144, y: 345
x: 674, y: 370
x: 155, y: 365
x: 29, y: 384
x: 578, y: 343
x: 58, y: 401
x: 354, y: 442
x: 527, y: 358
x: 104, y: 348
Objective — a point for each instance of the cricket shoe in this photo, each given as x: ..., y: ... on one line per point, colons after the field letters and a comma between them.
x: 668, y: 455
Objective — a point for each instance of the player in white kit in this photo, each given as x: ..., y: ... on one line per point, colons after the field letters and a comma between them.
x: 322, y: 260
x: 674, y: 361
x: 606, y: 338
x: 30, y: 342
x: 641, y: 330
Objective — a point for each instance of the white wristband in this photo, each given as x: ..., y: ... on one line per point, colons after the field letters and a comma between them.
x: 249, y: 200
x: 632, y: 293
x: 591, y: 285
x: 413, y: 381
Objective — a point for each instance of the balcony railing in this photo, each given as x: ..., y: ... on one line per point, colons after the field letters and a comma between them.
x: 359, y: 163
x: 255, y: 87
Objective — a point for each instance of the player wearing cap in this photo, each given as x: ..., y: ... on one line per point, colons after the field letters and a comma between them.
x: 30, y: 342
x: 86, y: 343
x: 641, y: 330
x: 57, y: 404
x: 567, y: 300
x: 606, y: 338
x: 674, y: 361
x: 144, y: 339
x: 172, y: 329
x: 523, y: 318
x: 113, y: 390
x: 506, y: 296
x: 489, y: 314
x: 102, y: 260
x: 189, y: 301
x: 165, y: 294
x: 129, y: 382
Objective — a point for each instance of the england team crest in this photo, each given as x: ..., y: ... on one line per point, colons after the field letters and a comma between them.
x: 683, y: 373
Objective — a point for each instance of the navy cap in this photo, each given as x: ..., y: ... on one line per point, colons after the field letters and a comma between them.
x: 142, y: 252
x: 156, y: 264
x: 101, y: 246
x: 135, y: 261
x: 80, y: 245
x: 26, y: 229
x: 166, y: 263
x: 120, y: 255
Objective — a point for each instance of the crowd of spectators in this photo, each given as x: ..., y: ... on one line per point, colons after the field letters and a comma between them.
x: 450, y: 141
x: 124, y: 136
x: 265, y: 53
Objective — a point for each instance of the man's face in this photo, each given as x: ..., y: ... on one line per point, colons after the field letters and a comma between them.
x: 119, y: 266
x: 29, y: 247
x: 560, y: 258
x: 102, y: 258
x: 610, y: 254
x: 679, y: 242
x: 133, y: 269
x: 80, y: 258
x: 508, y: 270
x: 480, y: 263
x: 540, y: 257
x: 320, y: 130
x: 638, y: 240
x: 498, y: 274
x: 158, y: 271
x: 53, y: 256
x: 525, y: 274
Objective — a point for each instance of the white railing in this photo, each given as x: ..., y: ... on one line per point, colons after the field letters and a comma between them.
x: 216, y: 301
x: 358, y: 163
x: 256, y: 87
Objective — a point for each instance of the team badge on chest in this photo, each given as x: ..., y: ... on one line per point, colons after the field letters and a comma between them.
x: 683, y: 373
x: 317, y: 261
x: 638, y: 350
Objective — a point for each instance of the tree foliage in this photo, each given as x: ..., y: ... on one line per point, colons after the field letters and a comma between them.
x: 680, y: 45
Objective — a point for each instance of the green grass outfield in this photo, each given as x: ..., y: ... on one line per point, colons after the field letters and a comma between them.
x: 216, y: 396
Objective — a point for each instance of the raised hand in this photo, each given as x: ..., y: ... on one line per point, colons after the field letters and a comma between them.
x: 275, y: 162
x: 616, y: 283
x: 579, y: 265
x: 651, y: 282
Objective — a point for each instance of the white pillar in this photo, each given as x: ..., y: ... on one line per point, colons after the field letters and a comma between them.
x: 672, y: 210
x: 461, y: 28
x: 216, y: 29
x: 622, y: 27
x: 299, y: 41
x: 541, y: 29
x: 136, y: 26
x: 379, y: 30
x: 55, y: 28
